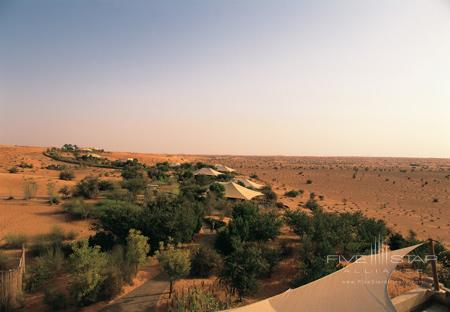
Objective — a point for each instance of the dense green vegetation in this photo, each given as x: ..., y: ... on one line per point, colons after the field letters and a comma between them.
x: 157, y: 210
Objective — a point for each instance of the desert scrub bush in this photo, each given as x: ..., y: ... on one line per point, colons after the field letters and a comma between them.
x: 44, y: 269
x: 205, y: 262
x: 196, y: 299
x: 87, y: 188
x: 65, y: 192
x: 106, y: 185
x: 77, y: 208
x: 52, y: 240
x: 312, y: 203
x: 15, y: 240
x: 30, y: 188
x: 309, y: 181
x: 54, y: 167
x: 13, y: 170
x: 25, y: 165
x: 52, y: 195
x: 292, y: 193
x: 55, y: 300
x: 270, y: 195
x: 66, y: 174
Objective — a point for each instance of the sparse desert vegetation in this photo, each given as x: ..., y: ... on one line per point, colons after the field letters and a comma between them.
x: 112, y: 221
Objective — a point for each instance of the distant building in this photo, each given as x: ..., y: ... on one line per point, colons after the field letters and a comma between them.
x: 125, y: 160
x: 92, y: 155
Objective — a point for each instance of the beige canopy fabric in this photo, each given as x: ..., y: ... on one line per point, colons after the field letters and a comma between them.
x: 250, y: 183
x: 207, y: 171
x: 223, y: 168
x: 360, y: 286
x: 233, y: 190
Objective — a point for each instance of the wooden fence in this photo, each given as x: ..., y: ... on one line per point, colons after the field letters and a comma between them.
x: 11, y: 285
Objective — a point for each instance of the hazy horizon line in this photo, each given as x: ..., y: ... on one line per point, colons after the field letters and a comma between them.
x: 233, y: 155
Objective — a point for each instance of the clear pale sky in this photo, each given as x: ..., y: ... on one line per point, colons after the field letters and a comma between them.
x: 362, y: 78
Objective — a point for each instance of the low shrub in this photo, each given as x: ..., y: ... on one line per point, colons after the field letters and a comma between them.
x: 30, y: 188
x: 66, y: 174
x: 65, y: 192
x: 55, y: 300
x: 197, y: 299
x: 13, y: 170
x: 309, y: 181
x: 54, y: 167
x: 53, y: 197
x: 25, y: 165
x: 15, y: 240
x: 292, y: 193
x: 106, y: 185
x: 77, y: 208
x: 87, y: 188
x: 45, y: 268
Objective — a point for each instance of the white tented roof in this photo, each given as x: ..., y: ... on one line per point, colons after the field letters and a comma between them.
x: 233, y: 190
x: 360, y: 286
x: 207, y: 171
x: 223, y: 168
x: 250, y: 183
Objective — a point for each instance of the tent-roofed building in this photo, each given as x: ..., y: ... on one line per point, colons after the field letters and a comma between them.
x: 207, y: 172
x: 236, y: 191
x: 223, y: 168
x: 250, y: 183
x: 360, y: 286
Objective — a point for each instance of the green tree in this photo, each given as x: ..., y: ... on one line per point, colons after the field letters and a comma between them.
x: 87, y: 266
x: 205, y: 262
x: 175, y: 262
x: 218, y: 189
x: 248, y: 225
x: 87, y: 188
x: 137, y: 249
x: 242, y: 269
x: 170, y: 216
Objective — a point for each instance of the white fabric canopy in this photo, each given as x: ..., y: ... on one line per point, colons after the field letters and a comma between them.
x: 224, y: 168
x: 233, y: 190
x: 207, y: 171
x: 360, y: 286
x: 250, y: 183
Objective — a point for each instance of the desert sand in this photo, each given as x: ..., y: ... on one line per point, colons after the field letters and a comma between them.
x: 409, y: 194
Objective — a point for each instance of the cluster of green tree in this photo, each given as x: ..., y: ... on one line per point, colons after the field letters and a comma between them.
x: 324, y: 233
x: 79, y: 159
x: 243, y: 244
x: 164, y: 217
x: 93, y: 274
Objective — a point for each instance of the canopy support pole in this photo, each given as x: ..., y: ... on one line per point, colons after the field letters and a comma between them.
x: 433, y: 266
